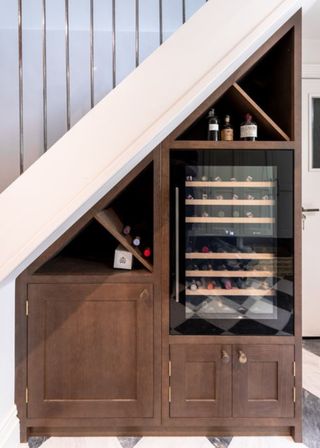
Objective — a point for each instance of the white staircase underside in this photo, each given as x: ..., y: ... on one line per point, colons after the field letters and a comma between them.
x: 124, y: 127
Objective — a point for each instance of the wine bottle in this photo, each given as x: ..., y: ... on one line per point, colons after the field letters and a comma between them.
x: 227, y: 129
x: 147, y: 252
x: 248, y: 129
x: 213, y: 126
x: 136, y: 241
x: 126, y: 230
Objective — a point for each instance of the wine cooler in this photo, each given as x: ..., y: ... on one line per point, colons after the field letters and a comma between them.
x: 231, y: 233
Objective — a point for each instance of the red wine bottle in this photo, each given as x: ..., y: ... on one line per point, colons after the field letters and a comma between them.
x: 147, y: 252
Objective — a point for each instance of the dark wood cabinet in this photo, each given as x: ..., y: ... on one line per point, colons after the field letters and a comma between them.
x: 203, y: 343
x: 263, y: 381
x: 200, y: 381
x: 90, y: 351
x: 212, y: 380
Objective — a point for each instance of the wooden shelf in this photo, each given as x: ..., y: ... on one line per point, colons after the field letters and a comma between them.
x: 72, y: 266
x: 234, y: 144
x: 239, y: 96
x: 230, y: 220
x: 229, y: 256
x: 228, y: 184
x: 233, y: 202
x: 230, y: 292
x: 227, y: 273
x: 112, y: 223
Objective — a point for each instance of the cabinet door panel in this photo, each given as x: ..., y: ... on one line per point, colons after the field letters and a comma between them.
x: 90, y: 351
x: 200, y: 381
x: 263, y: 385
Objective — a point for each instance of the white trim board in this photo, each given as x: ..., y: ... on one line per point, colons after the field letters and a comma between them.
x: 10, y: 430
x: 127, y: 125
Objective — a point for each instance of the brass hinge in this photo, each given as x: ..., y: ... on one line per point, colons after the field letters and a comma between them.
x: 169, y: 368
x: 294, y: 394
x: 294, y: 368
x: 169, y: 394
x: 27, y: 395
x: 27, y: 308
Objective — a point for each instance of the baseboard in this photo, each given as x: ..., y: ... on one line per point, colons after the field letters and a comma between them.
x: 9, y: 430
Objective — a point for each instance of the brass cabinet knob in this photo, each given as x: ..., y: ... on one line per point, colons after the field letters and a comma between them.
x: 225, y: 357
x: 242, y: 357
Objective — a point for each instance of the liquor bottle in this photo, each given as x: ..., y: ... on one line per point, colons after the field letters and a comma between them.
x: 213, y: 126
x: 227, y: 129
x: 248, y: 129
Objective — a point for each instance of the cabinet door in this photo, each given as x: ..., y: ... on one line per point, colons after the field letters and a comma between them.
x: 200, y: 380
x: 263, y: 381
x: 90, y: 351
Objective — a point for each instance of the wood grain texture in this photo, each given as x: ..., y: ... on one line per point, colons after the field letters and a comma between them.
x: 90, y: 351
x: 263, y: 386
x: 200, y: 381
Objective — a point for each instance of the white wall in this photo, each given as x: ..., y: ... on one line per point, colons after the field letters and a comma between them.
x: 311, y: 50
x: 9, y: 425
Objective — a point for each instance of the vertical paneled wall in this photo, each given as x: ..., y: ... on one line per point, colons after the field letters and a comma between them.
x: 60, y: 57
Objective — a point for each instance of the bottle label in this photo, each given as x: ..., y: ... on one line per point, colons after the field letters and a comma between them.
x: 213, y: 127
x: 227, y: 134
x: 248, y: 130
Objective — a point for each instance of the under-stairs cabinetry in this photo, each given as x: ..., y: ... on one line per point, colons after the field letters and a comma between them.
x: 201, y: 335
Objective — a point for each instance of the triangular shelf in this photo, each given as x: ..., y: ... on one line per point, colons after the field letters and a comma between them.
x: 91, y: 248
x: 255, y: 92
x: 111, y: 222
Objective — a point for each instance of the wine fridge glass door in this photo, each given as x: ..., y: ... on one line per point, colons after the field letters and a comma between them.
x: 232, y: 242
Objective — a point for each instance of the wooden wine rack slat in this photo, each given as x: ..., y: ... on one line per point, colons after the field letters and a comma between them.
x: 226, y: 273
x: 229, y: 256
x: 231, y: 220
x: 251, y: 202
x: 233, y: 184
x: 230, y: 292
x: 112, y: 223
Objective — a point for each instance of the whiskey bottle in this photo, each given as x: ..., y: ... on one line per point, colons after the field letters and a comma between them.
x: 227, y: 129
x: 248, y: 129
x: 213, y: 126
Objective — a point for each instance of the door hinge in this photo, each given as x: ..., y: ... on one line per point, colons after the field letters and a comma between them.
x: 294, y: 394
x: 27, y: 395
x: 169, y: 394
x: 27, y: 308
x: 169, y: 368
x: 294, y: 369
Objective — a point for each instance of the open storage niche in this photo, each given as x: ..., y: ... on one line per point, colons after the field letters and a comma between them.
x: 92, y: 249
x: 256, y: 93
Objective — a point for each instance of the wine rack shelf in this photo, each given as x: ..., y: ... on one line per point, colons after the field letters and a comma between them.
x: 112, y: 223
x: 227, y: 273
x: 226, y: 220
x: 230, y: 292
x: 251, y: 202
x: 230, y: 184
x: 229, y: 256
